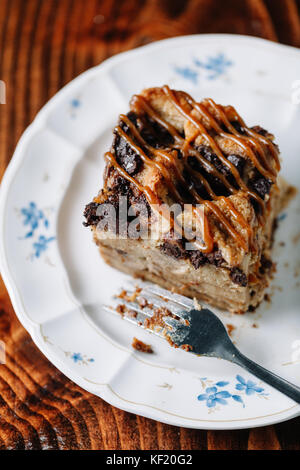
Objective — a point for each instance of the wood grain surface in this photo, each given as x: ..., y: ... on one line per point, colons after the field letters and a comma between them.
x: 43, y: 45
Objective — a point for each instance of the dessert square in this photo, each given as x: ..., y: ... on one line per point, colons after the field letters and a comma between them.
x: 190, y: 199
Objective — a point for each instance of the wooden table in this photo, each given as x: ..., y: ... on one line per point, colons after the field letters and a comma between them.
x: 43, y: 45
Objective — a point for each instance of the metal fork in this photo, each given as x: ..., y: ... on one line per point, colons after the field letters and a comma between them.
x: 198, y: 331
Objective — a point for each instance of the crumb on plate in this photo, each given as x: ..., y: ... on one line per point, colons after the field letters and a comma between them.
x: 140, y: 346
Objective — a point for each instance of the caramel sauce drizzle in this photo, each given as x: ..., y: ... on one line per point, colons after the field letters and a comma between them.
x: 222, y: 218
x: 208, y: 246
x: 150, y: 162
x: 166, y: 155
x: 213, y: 144
x: 204, y: 224
x: 238, y: 217
x: 153, y: 199
x: 246, y: 142
x: 257, y: 136
x: 172, y: 160
x: 266, y: 170
x: 205, y: 231
x: 139, y: 102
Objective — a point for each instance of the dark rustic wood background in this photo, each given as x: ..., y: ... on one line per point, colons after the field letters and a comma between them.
x: 43, y: 45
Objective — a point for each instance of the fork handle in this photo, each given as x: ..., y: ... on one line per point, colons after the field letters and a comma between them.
x: 270, y: 378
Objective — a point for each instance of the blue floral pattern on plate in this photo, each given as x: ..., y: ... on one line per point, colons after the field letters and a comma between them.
x: 37, y: 221
x: 248, y: 386
x: 79, y: 358
x: 32, y: 218
x: 214, y: 66
x: 41, y: 245
x: 213, y: 396
x: 188, y: 73
x: 75, y: 104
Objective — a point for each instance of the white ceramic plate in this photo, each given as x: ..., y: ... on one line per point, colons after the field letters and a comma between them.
x: 57, y: 281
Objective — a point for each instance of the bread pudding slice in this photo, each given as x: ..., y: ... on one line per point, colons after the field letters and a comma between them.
x: 190, y: 199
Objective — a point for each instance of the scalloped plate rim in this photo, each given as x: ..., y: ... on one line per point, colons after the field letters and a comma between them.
x: 32, y: 327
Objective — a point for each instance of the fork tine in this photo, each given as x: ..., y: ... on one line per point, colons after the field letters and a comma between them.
x: 170, y: 296
x: 172, y: 322
x: 139, y: 320
x: 135, y: 306
x: 157, y: 302
x: 156, y: 298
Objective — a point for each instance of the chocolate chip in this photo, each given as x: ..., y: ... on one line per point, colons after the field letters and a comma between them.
x: 216, y: 184
x: 260, y: 130
x: 132, y: 117
x: 173, y: 249
x: 265, y: 264
x: 215, y: 258
x: 192, y: 182
x: 212, y: 158
x: 260, y: 185
x: 198, y: 258
x: 238, y: 127
x: 126, y: 156
x: 163, y: 137
x: 90, y: 213
x: 238, y: 277
x: 238, y: 162
x: 118, y: 184
x: 152, y: 132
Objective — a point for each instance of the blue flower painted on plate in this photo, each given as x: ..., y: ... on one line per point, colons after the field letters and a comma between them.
x: 33, y: 217
x: 75, y: 103
x: 187, y: 73
x: 249, y: 387
x: 79, y: 358
x: 41, y: 245
x: 216, y: 65
x: 212, y: 396
x: 36, y: 219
